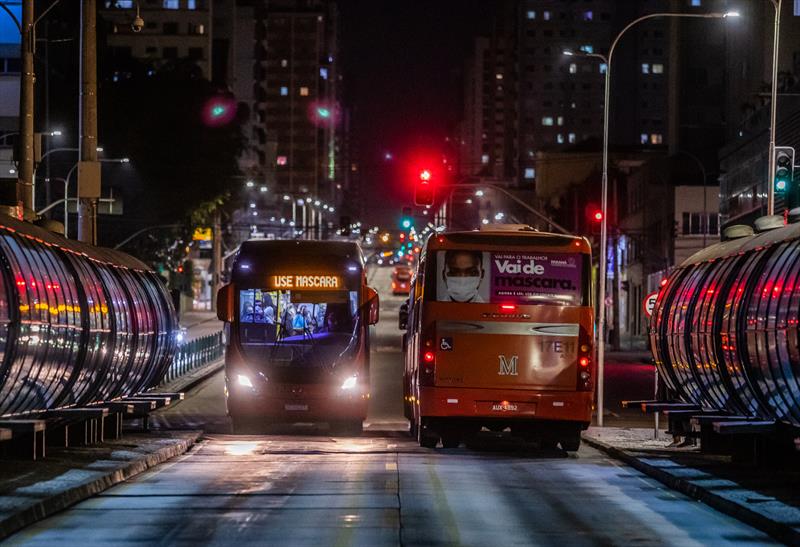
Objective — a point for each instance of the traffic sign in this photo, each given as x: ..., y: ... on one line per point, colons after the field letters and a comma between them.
x: 650, y: 303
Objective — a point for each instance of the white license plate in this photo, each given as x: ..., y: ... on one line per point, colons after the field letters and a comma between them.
x: 295, y: 407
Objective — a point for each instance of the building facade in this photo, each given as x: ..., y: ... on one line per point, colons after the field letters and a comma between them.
x: 173, y: 30
x: 297, y: 88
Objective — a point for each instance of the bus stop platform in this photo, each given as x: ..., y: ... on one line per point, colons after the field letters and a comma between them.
x: 765, y: 498
x: 33, y: 490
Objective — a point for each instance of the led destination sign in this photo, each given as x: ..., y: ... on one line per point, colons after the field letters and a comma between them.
x: 306, y: 281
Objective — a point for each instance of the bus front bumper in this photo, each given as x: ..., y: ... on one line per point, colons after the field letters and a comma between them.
x: 572, y: 406
x: 302, y: 403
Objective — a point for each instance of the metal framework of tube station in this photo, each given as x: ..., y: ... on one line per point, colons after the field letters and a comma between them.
x: 725, y: 331
x: 78, y: 324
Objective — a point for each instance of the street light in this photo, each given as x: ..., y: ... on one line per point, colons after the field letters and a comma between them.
x: 66, y: 191
x: 773, y: 107
x: 601, y: 308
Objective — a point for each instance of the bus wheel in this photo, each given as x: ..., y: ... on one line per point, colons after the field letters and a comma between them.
x: 571, y: 442
x: 425, y: 437
x: 451, y: 438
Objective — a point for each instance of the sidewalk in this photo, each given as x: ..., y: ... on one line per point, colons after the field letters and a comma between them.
x: 767, y: 499
x: 31, y: 491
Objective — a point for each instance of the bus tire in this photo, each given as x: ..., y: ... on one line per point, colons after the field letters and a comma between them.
x: 451, y: 438
x: 571, y: 442
x: 425, y: 437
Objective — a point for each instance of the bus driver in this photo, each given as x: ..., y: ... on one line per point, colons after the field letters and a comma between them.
x: 463, y: 274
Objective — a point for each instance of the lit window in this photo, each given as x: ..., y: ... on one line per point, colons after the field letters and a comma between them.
x: 498, y: 76
x: 284, y: 90
x: 696, y: 3
x: 191, y: 4
x: 573, y: 105
x: 645, y: 68
x: 172, y: 4
x: 573, y: 68
x: 587, y: 48
x: 656, y: 138
x: 546, y: 15
x: 603, y: 68
x: 561, y: 120
x: 485, y: 159
x: 530, y: 173
x: 281, y: 160
x: 547, y: 120
x: 588, y: 15
x: 644, y: 138
x: 284, y: 63
x: 304, y: 92
x: 323, y: 73
x: 658, y: 68
x: 560, y: 138
x: 571, y: 138
x: 531, y: 15
x: 121, y: 4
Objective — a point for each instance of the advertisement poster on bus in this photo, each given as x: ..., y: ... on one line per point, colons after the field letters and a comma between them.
x: 508, y: 277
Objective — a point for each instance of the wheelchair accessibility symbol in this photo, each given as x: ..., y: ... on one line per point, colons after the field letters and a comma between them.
x: 446, y: 344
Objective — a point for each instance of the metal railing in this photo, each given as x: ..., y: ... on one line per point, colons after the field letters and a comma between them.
x: 194, y: 354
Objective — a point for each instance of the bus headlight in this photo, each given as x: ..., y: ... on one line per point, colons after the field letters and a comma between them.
x: 349, y: 383
x: 244, y: 381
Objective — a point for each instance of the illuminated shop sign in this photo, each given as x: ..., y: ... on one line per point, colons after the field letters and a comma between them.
x: 306, y: 281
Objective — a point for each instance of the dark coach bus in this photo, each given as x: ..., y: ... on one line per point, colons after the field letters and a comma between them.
x: 298, y: 347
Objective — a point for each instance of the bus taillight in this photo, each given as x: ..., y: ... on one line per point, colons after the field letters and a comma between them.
x: 584, y: 363
x: 428, y: 365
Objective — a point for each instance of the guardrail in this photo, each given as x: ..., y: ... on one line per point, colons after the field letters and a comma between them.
x: 194, y: 354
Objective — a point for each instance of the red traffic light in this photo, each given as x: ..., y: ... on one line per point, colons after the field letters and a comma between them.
x: 423, y: 189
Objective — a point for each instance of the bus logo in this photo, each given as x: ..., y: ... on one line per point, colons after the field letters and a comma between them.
x: 508, y: 368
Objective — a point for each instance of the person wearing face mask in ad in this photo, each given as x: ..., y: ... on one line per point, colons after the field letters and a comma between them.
x: 463, y: 275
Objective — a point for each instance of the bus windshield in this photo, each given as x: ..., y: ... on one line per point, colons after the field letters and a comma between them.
x: 475, y: 276
x: 298, y: 328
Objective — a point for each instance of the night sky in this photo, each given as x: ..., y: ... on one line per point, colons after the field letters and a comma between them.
x: 403, y: 62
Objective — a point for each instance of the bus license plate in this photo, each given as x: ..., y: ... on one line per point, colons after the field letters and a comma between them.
x: 295, y: 407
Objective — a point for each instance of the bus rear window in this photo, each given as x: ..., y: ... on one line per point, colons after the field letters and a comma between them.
x: 509, y: 277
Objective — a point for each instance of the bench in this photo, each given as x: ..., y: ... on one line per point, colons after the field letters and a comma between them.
x: 23, y: 431
x: 80, y: 426
x: 174, y: 397
x: 142, y: 407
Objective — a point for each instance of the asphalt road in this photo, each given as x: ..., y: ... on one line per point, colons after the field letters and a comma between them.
x: 305, y: 487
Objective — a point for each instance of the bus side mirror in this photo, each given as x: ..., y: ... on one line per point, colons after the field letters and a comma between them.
x: 374, y: 305
x: 225, y: 303
x: 402, y: 318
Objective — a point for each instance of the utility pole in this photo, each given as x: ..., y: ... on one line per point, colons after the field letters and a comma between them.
x: 88, y: 167
x: 216, y: 276
x: 25, y: 178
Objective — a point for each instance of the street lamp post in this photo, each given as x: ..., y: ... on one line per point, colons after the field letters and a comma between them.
x: 773, y: 107
x: 601, y: 306
x: 66, y: 190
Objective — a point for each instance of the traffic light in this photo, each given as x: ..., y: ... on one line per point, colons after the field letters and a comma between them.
x: 784, y: 167
x: 597, y: 216
x: 406, y: 221
x: 423, y: 188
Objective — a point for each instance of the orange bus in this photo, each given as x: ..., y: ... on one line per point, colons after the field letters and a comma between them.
x: 297, y: 315
x: 499, y: 335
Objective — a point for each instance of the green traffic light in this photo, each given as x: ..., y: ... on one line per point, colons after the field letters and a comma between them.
x: 406, y: 223
x: 218, y: 111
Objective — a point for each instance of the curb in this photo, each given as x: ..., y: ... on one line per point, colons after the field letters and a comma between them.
x: 58, y: 502
x: 777, y: 530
